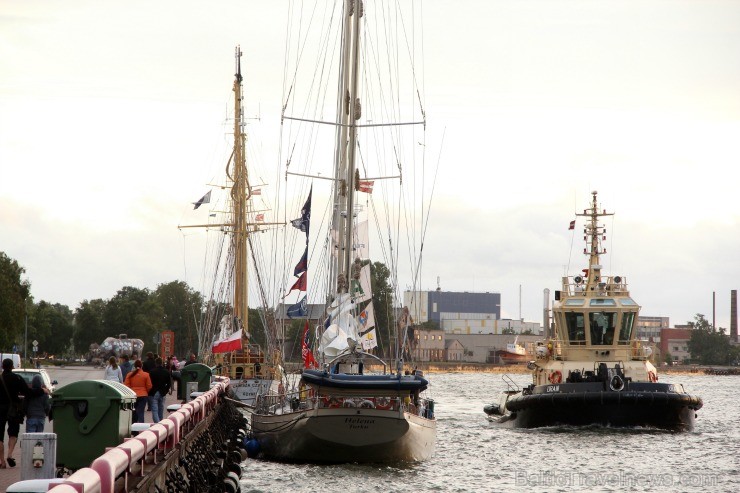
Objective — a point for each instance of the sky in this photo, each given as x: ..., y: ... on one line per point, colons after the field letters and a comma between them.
x: 112, y: 117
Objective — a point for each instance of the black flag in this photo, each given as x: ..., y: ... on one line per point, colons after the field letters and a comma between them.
x: 304, y: 221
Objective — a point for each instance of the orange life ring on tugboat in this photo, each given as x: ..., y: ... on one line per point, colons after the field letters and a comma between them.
x: 555, y: 377
x: 383, y: 403
x: 652, y: 376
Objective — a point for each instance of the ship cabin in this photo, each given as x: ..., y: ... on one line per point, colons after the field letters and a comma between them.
x: 595, y: 319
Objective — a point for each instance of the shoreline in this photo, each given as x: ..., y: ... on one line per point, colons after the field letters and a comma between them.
x: 442, y: 367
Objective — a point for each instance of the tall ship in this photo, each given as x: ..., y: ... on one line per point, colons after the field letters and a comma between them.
x: 593, y: 370
x: 224, y: 337
x: 350, y: 404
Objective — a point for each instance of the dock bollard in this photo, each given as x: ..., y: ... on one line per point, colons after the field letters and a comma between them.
x: 38, y: 455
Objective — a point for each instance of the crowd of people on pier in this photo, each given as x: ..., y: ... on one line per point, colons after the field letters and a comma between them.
x: 151, y: 380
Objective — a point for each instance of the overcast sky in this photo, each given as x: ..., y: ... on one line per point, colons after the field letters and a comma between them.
x: 111, y: 114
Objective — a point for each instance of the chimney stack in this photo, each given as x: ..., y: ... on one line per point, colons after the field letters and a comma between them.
x: 733, y: 315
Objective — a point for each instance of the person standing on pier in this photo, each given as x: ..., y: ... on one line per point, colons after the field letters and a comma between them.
x: 161, y: 382
x: 139, y: 381
x: 11, y: 387
x: 126, y: 366
x: 149, y: 363
x: 37, y: 408
x: 113, y: 371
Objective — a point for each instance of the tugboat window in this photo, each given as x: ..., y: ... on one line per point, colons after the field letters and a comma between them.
x: 576, y: 328
x: 600, y: 302
x: 602, y: 325
x: 625, y: 333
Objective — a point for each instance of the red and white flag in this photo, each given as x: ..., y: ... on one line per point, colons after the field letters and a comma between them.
x: 572, y: 224
x: 259, y: 217
x: 255, y: 191
x: 231, y: 343
x: 366, y: 186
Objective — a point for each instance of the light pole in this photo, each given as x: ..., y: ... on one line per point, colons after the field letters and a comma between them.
x: 25, y: 340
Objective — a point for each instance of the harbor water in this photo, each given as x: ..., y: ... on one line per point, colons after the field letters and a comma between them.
x: 475, y: 455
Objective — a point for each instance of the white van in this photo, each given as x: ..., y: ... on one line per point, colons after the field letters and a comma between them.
x: 15, y: 357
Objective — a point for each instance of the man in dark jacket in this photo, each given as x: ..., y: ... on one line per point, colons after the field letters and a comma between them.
x: 126, y: 366
x: 11, y: 387
x: 161, y: 382
x: 148, y: 364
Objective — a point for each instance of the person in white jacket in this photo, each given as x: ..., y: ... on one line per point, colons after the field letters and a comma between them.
x: 113, y: 371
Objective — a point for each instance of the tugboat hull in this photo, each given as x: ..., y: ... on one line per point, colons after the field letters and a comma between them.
x: 664, y: 410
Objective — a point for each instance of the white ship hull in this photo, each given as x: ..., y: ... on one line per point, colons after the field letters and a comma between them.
x: 246, y: 390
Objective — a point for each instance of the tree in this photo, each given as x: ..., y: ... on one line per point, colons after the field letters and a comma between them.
x: 89, y: 324
x: 182, y: 309
x: 668, y: 358
x: 708, y: 345
x: 51, y: 325
x: 383, y: 306
x: 14, y: 293
x: 134, y: 312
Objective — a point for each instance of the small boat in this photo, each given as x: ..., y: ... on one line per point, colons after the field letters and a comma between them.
x: 593, y: 370
x: 514, y: 354
x: 349, y: 404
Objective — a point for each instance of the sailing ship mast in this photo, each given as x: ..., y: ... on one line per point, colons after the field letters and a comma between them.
x: 240, y: 193
x: 348, y: 112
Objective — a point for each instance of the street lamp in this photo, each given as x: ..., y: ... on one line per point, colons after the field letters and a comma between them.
x: 25, y: 340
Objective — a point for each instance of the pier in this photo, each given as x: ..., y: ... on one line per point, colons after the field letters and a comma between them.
x: 154, y: 459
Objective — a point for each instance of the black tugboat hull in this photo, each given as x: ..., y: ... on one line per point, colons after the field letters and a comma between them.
x: 664, y: 410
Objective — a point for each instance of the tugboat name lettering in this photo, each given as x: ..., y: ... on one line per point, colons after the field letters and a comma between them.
x: 358, y: 423
x: 553, y: 388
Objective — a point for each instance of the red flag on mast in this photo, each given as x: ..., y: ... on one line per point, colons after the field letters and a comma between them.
x: 308, y: 360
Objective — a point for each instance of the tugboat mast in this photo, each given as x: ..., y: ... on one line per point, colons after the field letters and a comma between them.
x: 596, y: 233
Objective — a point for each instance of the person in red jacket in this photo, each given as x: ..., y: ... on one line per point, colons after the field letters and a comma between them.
x: 139, y: 381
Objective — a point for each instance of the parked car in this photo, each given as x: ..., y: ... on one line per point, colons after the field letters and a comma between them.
x: 29, y: 373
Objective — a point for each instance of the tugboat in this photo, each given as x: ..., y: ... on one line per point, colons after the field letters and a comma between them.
x: 593, y: 370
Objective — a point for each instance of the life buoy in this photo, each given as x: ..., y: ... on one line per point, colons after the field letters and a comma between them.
x: 616, y: 383
x: 652, y: 377
x: 349, y: 403
x: 383, y: 403
x: 556, y: 377
x: 367, y: 404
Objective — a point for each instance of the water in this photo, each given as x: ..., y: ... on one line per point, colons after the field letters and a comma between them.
x: 474, y: 455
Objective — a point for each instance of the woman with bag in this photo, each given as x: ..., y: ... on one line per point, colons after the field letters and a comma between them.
x: 11, y: 409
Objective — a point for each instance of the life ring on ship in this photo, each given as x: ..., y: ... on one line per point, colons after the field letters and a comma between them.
x: 555, y: 377
x: 652, y: 377
x: 616, y: 383
x: 367, y: 404
x: 349, y: 403
x: 334, y: 401
x: 383, y: 403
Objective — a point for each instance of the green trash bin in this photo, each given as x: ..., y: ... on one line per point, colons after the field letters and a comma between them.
x: 89, y: 416
x: 194, y: 372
